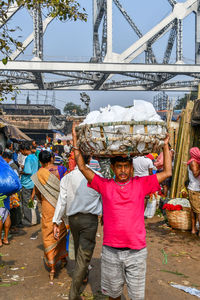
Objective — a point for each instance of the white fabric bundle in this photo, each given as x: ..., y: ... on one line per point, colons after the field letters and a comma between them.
x: 140, y: 111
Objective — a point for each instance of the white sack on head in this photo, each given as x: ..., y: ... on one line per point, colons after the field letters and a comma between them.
x: 140, y: 111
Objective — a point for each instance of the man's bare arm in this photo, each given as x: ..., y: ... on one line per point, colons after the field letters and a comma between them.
x: 194, y: 167
x: 167, y: 172
x: 88, y: 173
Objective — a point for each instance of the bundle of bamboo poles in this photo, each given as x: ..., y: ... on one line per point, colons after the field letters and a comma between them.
x: 173, y: 133
x: 184, y: 143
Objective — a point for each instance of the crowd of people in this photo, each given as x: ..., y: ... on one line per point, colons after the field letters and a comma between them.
x: 73, y: 197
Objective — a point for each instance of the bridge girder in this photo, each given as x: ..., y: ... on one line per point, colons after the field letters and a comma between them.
x: 98, y: 74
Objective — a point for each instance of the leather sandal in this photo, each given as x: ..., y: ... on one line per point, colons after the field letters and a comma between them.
x: 51, y: 275
x: 5, y: 243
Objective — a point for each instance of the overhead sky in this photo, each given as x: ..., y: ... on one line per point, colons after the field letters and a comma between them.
x: 72, y: 41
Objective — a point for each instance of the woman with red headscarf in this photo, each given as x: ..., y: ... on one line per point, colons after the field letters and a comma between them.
x: 194, y: 186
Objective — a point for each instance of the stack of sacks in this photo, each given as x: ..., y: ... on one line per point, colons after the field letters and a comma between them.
x: 140, y: 111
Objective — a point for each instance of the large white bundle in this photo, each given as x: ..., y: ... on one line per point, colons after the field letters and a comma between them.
x: 140, y: 111
x: 117, y: 136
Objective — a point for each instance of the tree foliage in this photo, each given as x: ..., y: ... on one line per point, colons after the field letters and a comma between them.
x: 182, y: 102
x: 71, y: 109
x: 60, y: 9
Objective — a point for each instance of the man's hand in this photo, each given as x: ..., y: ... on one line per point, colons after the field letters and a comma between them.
x: 74, y: 136
x: 167, y: 172
x: 56, y: 231
x: 166, y: 140
x: 87, y: 172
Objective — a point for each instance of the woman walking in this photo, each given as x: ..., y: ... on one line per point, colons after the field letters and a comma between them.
x: 194, y: 186
x: 47, y: 187
x: 4, y: 219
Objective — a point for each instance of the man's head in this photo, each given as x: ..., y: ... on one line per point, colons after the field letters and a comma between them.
x: 55, y: 150
x: 7, y: 156
x: 45, y: 157
x: 34, y: 144
x: 59, y: 142
x: 27, y: 149
x: 9, y: 145
x: 68, y: 143
x: 22, y: 148
x: 122, y: 167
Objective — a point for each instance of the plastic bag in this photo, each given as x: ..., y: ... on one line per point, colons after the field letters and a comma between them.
x: 9, y: 181
x: 150, y: 208
x: 187, y: 289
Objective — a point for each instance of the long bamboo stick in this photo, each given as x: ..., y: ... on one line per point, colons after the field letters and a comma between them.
x: 185, y: 149
x: 177, y: 157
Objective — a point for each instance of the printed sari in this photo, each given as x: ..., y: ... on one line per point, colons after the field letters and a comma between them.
x: 47, y: 189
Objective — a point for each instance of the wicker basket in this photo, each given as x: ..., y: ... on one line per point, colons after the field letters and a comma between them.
x: 121, y: 138
x: 180, y: 219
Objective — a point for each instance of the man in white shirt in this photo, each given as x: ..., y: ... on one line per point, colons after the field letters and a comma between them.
x: 143, y: 166
x: 82, y: 205
x: 21, y: 157
x: 68, y: 148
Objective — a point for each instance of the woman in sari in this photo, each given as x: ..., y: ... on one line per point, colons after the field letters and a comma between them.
x: 194, y: 186
x: 47, y: 187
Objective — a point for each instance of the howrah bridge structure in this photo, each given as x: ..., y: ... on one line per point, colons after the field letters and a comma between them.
x: 107, y: 70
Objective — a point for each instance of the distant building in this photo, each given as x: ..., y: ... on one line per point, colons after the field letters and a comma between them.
x: 31, y: 119
x: 30, y: 109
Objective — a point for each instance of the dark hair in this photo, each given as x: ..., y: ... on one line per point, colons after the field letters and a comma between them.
x: 115, y: 159
x: 59, y: 141
x: 27, y: 147
x: 55, y: 148
x: 7, y: 154
x: 44, y: 156
x: 1, y: 149
x: 86, y: 158
x: 22, y: 147
x: 8, y: 144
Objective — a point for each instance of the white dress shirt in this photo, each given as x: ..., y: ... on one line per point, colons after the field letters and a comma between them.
x: 141, y: 166
x: 76, y: 197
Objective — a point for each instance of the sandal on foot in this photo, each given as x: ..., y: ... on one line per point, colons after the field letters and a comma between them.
x: 51, y: 275
x: 5, y: 243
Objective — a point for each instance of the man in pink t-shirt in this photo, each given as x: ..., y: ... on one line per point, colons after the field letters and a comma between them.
x: 124, y: 247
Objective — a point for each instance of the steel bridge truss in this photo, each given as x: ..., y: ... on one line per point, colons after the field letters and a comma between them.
x: 99, y: 73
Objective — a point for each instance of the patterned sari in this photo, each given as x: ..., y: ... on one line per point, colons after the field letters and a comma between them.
x: 47, y: 189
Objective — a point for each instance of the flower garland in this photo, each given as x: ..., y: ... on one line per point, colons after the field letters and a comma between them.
x: 172, y: 207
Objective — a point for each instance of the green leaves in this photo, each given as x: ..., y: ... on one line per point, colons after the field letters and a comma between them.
x: 61, y: 9
x: 5, y: 60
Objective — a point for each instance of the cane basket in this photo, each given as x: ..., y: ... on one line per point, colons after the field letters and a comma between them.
x: 121, y: 138
x: 180, y: 219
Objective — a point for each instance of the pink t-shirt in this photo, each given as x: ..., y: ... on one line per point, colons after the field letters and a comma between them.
x: 123, y: 210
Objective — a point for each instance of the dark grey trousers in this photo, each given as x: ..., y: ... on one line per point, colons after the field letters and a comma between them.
x: 83, y: 228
